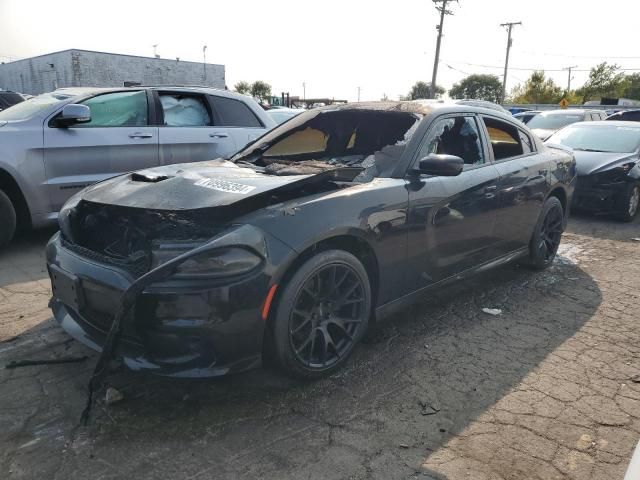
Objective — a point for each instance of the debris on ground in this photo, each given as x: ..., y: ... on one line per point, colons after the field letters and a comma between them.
x: 492, y: 311
x: 635, y: 239
x: 427, y: 409
x: 113, y: 395
x: 636, y: 378
x: 52, y: 361
x: 403, y: 445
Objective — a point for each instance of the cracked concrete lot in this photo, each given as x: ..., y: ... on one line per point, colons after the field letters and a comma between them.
x: 548, y: 389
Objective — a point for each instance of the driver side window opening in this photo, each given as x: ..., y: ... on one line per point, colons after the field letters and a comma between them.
x: 457, y: 136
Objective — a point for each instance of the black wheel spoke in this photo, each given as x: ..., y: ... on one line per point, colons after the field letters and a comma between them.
x: 327, y: 315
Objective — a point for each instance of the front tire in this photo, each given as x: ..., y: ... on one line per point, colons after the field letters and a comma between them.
x: 547, y: 234
x: 321, y: 314
x: 7, y: 220
x: 628, y: 203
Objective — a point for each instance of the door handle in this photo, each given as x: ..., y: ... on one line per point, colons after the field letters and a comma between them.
x: 218, y: 135
x: 141, y: 135
x: 491, y: 188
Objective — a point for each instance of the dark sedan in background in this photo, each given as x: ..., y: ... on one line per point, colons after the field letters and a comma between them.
x: 607, y: 156
x: 341, y: 215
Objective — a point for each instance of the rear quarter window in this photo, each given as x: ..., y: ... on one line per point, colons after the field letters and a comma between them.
x: 233, y: 113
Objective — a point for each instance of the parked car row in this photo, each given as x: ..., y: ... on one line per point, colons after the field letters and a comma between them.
x: 56, y: 144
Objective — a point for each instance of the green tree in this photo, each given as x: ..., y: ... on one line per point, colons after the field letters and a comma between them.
x: 242, y: 87
x: 478, y: 87
x: 605, y: 80
x: 632, y: 86
x: 261, y: 90
x: 423, y: 90
x: 537, y: 89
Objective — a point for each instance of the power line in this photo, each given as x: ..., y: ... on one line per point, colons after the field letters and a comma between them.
x: 579, y: 56
x: 537, y: 68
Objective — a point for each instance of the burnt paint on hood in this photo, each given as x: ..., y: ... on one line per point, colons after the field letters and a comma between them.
x: 588, y: 163
x: 213, y: 183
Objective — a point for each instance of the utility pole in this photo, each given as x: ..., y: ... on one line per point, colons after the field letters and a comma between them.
x: 358, y: 93
x: 509, y: 26
x: 304, y: 91
x: 443, y: 11
x: 204, y: 61
x: 155, y: 52
x: 569, y: 79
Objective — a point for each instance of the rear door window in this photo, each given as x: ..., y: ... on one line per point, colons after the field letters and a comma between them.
x: 233, y: 113
x: 506, y: 141
x: 118, y: 109
x: 184, y: 110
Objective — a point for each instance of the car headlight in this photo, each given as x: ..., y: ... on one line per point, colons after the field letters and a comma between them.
x: 66, y: 212
x: 215, y: 263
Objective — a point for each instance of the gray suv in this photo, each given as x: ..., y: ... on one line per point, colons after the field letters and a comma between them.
x: 55, y: 144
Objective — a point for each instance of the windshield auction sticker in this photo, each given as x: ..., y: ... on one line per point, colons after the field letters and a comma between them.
x: 224, y: 186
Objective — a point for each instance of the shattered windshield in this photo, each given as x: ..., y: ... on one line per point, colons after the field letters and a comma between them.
x: 320, y: 140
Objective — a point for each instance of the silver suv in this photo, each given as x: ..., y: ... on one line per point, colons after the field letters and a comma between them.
x: 55, y: 144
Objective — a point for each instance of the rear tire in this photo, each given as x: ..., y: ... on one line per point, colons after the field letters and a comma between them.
x: 547, y: 234
x: 628, y: 203
x: 322, y: 313
x: 7, y: 220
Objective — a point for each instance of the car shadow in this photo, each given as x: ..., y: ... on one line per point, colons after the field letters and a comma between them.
x: 603, y: 226
x: 417, y: 380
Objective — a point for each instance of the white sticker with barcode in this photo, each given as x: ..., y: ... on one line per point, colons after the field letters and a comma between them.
x: 224, y: 186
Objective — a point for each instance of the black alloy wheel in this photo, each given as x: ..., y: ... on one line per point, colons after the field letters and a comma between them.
x: 547, y: 234
x: 629, y: 202
x: 322, y: 314
x: 7, y: 219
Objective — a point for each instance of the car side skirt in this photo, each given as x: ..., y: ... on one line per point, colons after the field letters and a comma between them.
x: 384, y: 311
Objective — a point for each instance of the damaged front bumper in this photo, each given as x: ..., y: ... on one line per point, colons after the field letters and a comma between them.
x: 188, y: 327
x: 595, y: 195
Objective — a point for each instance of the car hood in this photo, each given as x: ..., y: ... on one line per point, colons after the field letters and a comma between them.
x: 543, y: 133
x: 214, y: 183
x: 588, y: 163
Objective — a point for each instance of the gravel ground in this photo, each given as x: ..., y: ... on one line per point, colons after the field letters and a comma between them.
x: 547, y: 389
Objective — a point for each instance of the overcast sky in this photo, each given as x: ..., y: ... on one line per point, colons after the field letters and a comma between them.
x: 336, y: 46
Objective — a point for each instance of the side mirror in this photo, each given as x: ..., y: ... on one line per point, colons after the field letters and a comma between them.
x: 441, y: 165
x: 72, y: 114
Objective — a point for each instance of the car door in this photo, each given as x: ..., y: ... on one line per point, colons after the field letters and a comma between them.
x: 187, y: 129
x: 451, y: 219
x: 522, y: 184
x: 238, y: 119
x: 117, y: 139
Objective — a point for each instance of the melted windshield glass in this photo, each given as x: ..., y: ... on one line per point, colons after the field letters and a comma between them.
x: 320, y: 140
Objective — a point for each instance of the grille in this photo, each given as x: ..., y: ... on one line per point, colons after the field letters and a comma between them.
x: 136, y: 268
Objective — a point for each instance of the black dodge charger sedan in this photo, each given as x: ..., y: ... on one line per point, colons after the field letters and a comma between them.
x: 289, y: 249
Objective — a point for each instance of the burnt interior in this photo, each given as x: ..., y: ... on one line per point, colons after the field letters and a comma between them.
x: 372, y: 140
